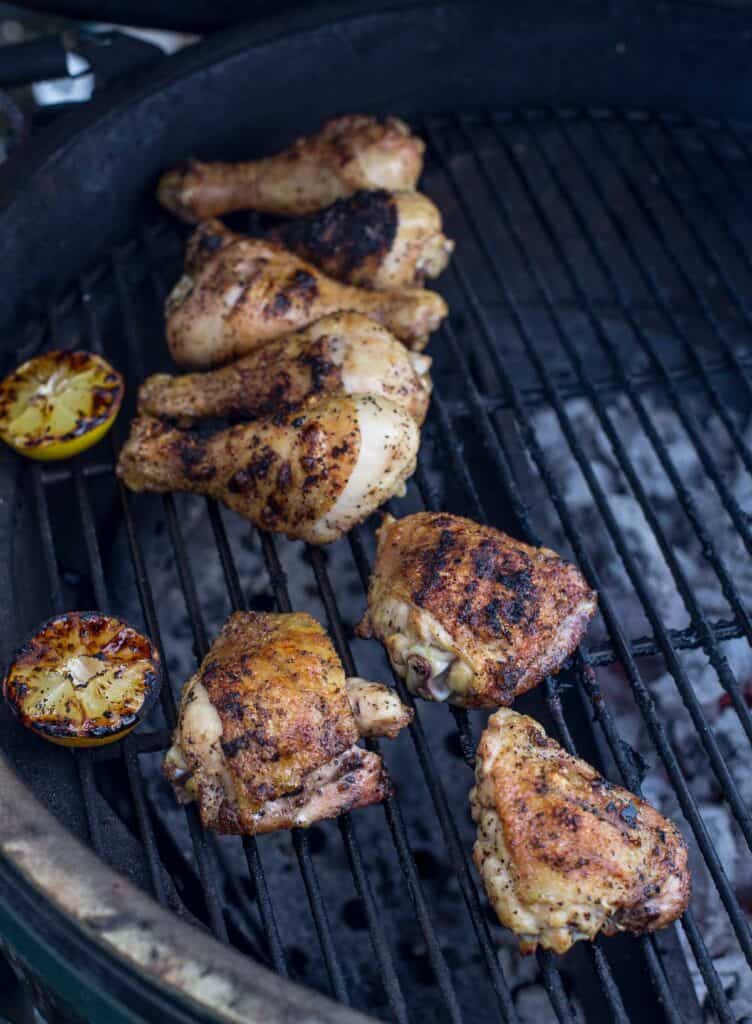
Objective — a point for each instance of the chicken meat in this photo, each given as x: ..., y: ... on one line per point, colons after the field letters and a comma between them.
x: 341, y: 354
x: 563, y: 853
x: 348, y: 154
x: 383, y: 240
x: 311, y: 475
x: 267, y: 737
x: 468, y: 614
x: 252, y: 291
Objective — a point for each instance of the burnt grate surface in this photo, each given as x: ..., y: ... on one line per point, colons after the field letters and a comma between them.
x: 592, y: 392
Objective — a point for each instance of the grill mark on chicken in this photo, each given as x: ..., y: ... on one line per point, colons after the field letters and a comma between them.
x: 431, y: 564
x: 191, y: 457
x: 347, y: 235
x: 469, y: 614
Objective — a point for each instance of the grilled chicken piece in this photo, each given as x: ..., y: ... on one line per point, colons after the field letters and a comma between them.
x: 312, y: 475
x: 377, y: 708
x: 468, y: 614
x: 341, y: 354
x: 266, y: 736
x: 380, y: 239
x: 347, y: 155
x: 253, y: 291
x: 563, y: 853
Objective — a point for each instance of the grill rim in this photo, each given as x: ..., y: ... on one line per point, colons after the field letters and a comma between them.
x: 192, y: 931
x: 39, y: 857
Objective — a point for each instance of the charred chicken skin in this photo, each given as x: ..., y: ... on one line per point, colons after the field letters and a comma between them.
x: 348, y: 154
x: 253, y: 291
x: 563, y: 853
x: 311, y: 475
x: 380, y: 239
x: 341, y: 354
x: 468, y: 614
x: 266, y: 737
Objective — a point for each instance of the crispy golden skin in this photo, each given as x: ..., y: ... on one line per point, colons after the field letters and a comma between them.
x: 379, y: 239
x: 343, y: 353
x: 311, y: 475
x: 563, y: 853
x: 252, y: 291
x: 468, y: 614
x: 348, y: 154
x: 266, y: 736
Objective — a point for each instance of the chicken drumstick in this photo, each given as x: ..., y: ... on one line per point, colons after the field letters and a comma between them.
x: 348, y: 154
x: 341, y: 354
x: 252, y: 291
x: 312, y: 475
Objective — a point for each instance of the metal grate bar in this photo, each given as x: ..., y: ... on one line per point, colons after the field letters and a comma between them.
x: 643, y: 698
x: 700, y: 622
x: 209, y: 885
x: 602, y: 714
x: 84, y: 764
x: 718, y: 660
x: 710, y: 133
x: 392, y: 986
x: 300, y: 841
x: 394, y: 818
x: 688, y: 420
x: 627, y: 380
x: 738, y: 921
x: 201, y: 640
x: 132, y: 766
x: 705, y: 630
x: 699, y: 619
x: 677, y: 671
x: 707, y: 250
x: 711, y: 257
x: 608, y: 986
x: 704, y: 962
x: 391, y: 805
x: 457, y: 853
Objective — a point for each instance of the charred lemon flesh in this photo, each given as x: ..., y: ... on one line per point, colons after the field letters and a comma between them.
x: 83, y: 679
x: 59, y: 404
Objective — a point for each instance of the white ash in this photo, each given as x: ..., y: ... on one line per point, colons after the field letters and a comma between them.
x: 704, y: 584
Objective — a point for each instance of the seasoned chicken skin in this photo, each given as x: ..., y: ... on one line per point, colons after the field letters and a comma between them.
x: 341, y: 354
x: 380, y: 239
x: 348, y: 154
x: 266, y: 736
x: 468, y: 614
x: 563, y: 853
x: 312, y: 475
x: 253, y: 291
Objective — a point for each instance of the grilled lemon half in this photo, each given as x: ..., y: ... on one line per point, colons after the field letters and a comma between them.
x: 59, y: 404
x: 83, y: 679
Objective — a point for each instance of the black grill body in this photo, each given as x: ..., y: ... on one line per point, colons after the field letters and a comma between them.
x: 592, y: 392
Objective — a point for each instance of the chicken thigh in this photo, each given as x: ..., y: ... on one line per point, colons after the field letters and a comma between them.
x: 312, y: 475
x: 253, y: 291
x: 266, y: 736
x: 563, y: 853
x: 341, y: 354
x: 348, y: 154
x: 468, y: 614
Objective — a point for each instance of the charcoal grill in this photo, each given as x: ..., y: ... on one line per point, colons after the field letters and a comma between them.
x: 598, y: 295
